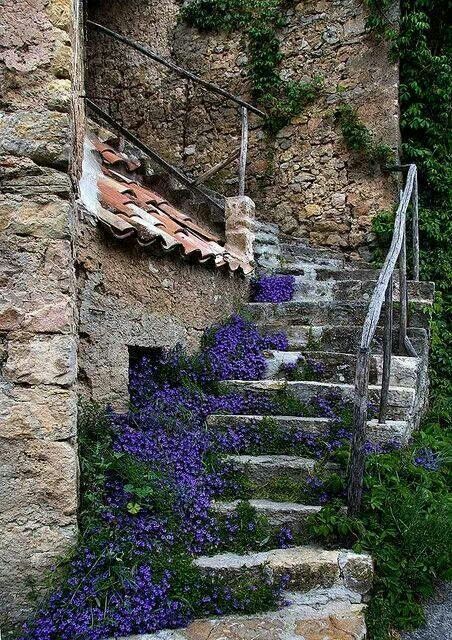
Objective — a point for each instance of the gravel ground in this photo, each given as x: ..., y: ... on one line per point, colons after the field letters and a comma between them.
x: 438, y: 617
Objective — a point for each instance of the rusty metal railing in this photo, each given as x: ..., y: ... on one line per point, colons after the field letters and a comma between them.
x: 245, y: 108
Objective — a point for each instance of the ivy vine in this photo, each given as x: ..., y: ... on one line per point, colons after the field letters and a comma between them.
x: 423, y: 44
x: 360, y: 139
x: 260, y: 21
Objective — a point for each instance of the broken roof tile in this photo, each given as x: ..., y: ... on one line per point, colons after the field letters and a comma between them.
x: 129, y: 208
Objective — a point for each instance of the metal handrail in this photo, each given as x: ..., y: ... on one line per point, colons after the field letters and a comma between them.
x: 245, y: 107
x: 184, y: 73
x: 172, y: 170
x: 383, y: 293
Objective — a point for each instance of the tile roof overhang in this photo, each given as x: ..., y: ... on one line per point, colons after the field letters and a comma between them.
x: 130, y: 209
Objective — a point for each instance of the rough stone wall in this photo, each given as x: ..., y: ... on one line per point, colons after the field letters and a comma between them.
x: 146, y: 97
x: 306, y: 180
x: 38, y: 345
x: 130, y: 297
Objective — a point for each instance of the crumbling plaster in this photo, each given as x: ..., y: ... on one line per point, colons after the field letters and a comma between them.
x: 132, y: 297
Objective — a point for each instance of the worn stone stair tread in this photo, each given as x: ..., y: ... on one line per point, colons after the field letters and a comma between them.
x: 321, y: 312
x: 277, y: 514
x: 306, y: 567
x: 319, y: 271
x: 400, y: 399
x: 355, y: 290
x: 267, y: 506
x: 265, y: 469
x: 327, y: 614
x: 340, y: 338
x: 341, y: 367
x: 391, y: 431
x: 280, y: 461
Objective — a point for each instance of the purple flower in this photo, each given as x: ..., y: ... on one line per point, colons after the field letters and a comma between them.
x: 273, y: 288
x: 428, y: 459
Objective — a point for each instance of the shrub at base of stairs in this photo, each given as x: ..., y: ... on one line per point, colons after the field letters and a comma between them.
x: 405, y: 526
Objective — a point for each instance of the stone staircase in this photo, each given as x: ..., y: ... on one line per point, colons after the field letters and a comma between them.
x: 327, y: 589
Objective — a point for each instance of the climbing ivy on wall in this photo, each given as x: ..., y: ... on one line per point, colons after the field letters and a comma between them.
x: 260, y: 21
x: 423, y: 44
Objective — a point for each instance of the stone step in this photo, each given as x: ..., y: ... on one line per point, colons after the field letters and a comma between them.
x: 321, y: 313
x: 278, y: 514
x: 301, y: 251
x: 396, y: 431
x: 313, y: 271
x: 355, y: 290
x: 341, y: 338
x: 261, y: 470
x: 341, y: 367
x: 400, y: 399
x: 336, y: 613
x: 305, y: 568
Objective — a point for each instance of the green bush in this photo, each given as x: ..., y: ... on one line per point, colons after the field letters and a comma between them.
x: 404, y: 525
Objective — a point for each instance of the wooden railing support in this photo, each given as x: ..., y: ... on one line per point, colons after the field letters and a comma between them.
x: 221, y: 165
x: 243, y: 152
x: 387, y: 354
x: 416, y: 229
x: 403, y: 296
x: 382, y: 294
x: 357, y: 460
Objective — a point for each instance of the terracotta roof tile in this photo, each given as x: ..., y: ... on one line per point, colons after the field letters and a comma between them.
x: 131, y: 209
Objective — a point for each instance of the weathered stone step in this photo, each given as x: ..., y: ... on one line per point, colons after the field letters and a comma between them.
x: 305, y: 568
x: 355, y: 290
x: 400, y: 399
x: 341, y: 338
x: 313, y: 271
x: 341, y: 367
x: 300, y: 251
x: 392, y: 431
x: 319, y: 614
x: 261, y: 470
x: 278, y: 514
x: 322, y: 313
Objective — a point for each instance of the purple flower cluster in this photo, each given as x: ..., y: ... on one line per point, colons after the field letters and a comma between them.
x: 278, y: 288
x: 123, y: 579
x: 428, y: 459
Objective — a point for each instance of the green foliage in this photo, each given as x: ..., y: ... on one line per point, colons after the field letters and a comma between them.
x: 404, y: 525
x: 424, y: 46
x: 260, y: 21
x: 245, y: 530
x: 360, y: 139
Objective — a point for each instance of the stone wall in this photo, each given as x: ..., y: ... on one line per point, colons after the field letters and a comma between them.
x: 131, y: 297
x: 305, y: 180
x: 38, y: 344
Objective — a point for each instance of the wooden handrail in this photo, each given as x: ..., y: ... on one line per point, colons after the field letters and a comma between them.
x: 184, y: 73
x: 383, y: 292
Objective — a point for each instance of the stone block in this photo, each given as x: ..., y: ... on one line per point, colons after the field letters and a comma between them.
x: 59, y: 13
x: 357, y: 571
x: 28, y: 553
x: 42, y: 360
x: 38, y: 483
x: 41, y: 136
x: 45, y: 216
x: 240, y: 211
x: 43, y: 412
x: 35, y: 267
